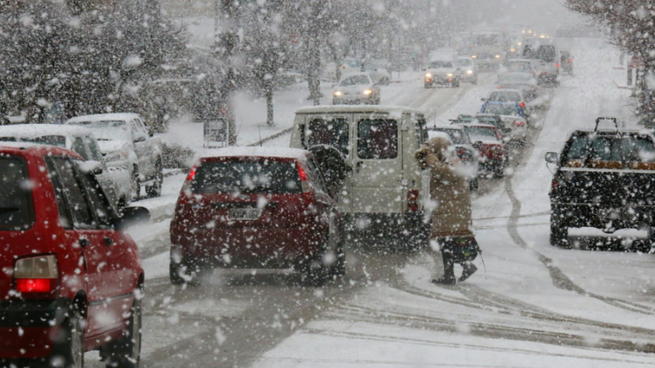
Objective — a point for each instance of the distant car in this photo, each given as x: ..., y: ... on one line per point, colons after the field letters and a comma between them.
x: 468, y: 69
x: 71, y: 278
x: 115, y: 179
x: 603, y: 179
x: 566, y: 62
x: 377, y: 69
x: 525, y: 82
x: 489, y: 142
x: 518, y: 66
x: 356, y: 88
x: 269, y: 208
x: 512, y: 95
x: 489, y: 119
x: 442, y: 71
x: 546, y: 54
x: 464, y: 148
x: 126, y: 140
x: 513, y: 115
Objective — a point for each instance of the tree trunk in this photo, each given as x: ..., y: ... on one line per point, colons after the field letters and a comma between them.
x: 228, y: 42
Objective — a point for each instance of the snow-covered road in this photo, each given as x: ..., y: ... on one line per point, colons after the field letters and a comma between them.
x: 533, y: 306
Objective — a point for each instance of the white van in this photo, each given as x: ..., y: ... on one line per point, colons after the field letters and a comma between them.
x: 385, y: 190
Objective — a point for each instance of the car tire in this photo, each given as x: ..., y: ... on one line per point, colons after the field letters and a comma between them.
x: 558, y: 234
x: 154, y: 190
x: 68, y: 350
x: 126, y: 352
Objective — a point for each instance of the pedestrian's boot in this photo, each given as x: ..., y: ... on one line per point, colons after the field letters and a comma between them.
x: 444, y: 281
x: 469, y: 269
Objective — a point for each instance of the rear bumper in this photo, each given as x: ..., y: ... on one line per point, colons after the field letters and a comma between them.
x: 27, y: 327
x: 588, y: 215
x: 250, y: 247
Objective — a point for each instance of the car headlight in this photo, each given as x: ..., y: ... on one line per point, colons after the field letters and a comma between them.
x: 368, y: 92
x: 474, y: 56
x: 428, y: 75
x: 497, y: 56
x: 450, y: 74
x: 469, y: 72
x: 338, y: 93
x: 512, y: 50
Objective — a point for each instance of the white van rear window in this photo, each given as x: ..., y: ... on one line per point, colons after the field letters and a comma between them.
x: 377, y: 139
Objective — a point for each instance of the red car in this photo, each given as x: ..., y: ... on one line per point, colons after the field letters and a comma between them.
x: 488, y: 140
x: 70, y: 278
x: 257, y: 208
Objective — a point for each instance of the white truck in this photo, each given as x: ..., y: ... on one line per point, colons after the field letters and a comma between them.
x: 488, y: 49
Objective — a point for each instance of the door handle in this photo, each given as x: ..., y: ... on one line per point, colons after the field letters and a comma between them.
x: 109, y: 241
x: 84, y: 242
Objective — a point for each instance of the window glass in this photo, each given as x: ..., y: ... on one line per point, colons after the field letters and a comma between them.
x: 78, y: 146
x: 97, y: 199
x: 264, y: 176
x: 51, y: 140
x: 578, y: 148
x: 440, y: 64
x: 7, y: 139
x: 377, y: 139
x: 72, y: 193
x: 604, y: 149
x: 421, y: 131
x: 16, y: 207
x: 638, y: 149
x: 315, y: 175
x: 501, y: 109
x: 94, y: 149
x: 333, y: 133
x: 481, y: 134
x: 355, y: 81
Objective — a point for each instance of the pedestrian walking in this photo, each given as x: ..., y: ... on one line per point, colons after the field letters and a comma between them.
x: 451, y: 218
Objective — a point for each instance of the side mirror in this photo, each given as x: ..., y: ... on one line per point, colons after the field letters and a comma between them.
x: 132, y: 216
x: 552, y: 158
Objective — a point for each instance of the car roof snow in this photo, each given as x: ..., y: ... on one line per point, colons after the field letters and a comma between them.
x: 104, y: 117
x: 40, y: 130
x: 364, y: 109
x: 275, y: 152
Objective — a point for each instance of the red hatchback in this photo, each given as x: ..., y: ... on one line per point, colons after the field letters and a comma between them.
x: 257, y: 208
x: 488, y: 140
x: 70, y: 280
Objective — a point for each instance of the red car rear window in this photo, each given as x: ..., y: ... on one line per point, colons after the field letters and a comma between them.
x: 260, y: 176
x: 16, y: 208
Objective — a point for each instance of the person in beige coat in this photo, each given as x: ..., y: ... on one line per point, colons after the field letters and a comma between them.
x: 451, y: 217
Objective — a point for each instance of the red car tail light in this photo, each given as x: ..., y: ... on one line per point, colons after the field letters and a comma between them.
x: 500, y: 87
x: 36, y: 274
x: 192, y: 173
x: 304, y: 179
x: 571, y: 61
x: 523, y: 104
x: 518, y: 123
x: 412, y: 200
x: 557, y: 65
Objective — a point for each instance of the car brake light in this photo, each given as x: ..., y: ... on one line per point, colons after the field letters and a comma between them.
x: 412, y: 200
x: 522, y: 104
x: 557, y: 65
x: 192, y: 173
x: 571, y: 61
x: 34, y: 285
x: 36, y: 274
x: 301, y: 172
x: 518, y: 123
x: 500, y: 87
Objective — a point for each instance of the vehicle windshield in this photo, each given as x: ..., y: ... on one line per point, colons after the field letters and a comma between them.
x: 457, y: 136
x: 592, y: 149
x: 16, y: 211
x: 504, y: 96
x: 233, y: 177
x: 356, y: 80
x: 107, y: 130
x: 485, y: 40
x: 483, y: 134
x: 501, y: 109
x: 440, y: 64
